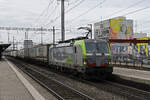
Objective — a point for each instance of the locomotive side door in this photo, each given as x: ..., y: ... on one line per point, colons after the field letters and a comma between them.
x: 78, y: 56
x: 75, y: 55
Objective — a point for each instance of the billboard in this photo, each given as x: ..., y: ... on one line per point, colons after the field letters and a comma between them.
x: 121, y: 28
x: 143, y: 48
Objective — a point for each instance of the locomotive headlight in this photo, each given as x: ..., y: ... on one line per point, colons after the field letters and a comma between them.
x: 84, y: 62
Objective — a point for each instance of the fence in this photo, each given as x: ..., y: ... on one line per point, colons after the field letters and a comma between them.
x: 130, y: 60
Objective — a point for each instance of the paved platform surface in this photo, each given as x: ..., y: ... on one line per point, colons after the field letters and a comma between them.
x: 13, y: 86
x: 132, y: 74
x: 44, y: 92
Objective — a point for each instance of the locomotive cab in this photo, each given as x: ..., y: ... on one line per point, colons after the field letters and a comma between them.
x: 94, y: 56
x: 97, y: 53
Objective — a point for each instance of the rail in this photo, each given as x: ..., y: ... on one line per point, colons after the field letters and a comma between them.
x: 54, y: 86
x: 58, y: 89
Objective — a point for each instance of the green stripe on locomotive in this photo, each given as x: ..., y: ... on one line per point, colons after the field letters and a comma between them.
x: 82, y: 44
x: 109, y: 51
x: 69, y: 60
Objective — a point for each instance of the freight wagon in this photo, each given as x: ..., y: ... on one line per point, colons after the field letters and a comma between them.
x: 38, y: 52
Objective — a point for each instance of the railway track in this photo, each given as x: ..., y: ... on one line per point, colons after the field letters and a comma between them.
x: 118, y: 88
x: 57, y: 88
x: 130, y: 93
x: 124, y: 90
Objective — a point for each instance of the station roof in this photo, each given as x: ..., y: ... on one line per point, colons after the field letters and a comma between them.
x: 3, y: 47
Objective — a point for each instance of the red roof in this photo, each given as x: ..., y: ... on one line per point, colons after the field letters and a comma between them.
x: 128, y: 41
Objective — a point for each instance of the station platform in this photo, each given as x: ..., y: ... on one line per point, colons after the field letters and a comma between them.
x: 133, y: 74
x: 13, y: 85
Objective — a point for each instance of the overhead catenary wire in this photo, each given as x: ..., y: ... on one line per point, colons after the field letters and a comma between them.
x: 52, y: 13
x: 50, y: 3
x: 130, y: 6
x: 42, y: 13
x: 129, y: 13
x: 135, y: 11
x: 56, y: 18
x: 82, y: 13
x: 121, y: 10
x: 87, y: 11
x: 73, y: 2
x: 75, y: 6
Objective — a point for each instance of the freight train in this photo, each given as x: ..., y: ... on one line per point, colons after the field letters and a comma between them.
x: 82, y: 57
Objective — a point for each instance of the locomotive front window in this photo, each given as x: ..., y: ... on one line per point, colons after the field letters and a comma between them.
x: 102, y: 47
x: 91, y: 47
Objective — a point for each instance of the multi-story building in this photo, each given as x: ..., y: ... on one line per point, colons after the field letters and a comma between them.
x: 115, y: 28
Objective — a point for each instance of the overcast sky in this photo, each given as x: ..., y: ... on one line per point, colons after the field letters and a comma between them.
x: 37, y: 13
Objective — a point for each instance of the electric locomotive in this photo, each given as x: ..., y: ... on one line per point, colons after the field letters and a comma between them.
x: 87, y: 56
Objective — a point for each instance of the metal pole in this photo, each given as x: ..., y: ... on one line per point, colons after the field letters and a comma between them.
x: 41, y: 36
x: 27, y: 43
x: 25, y: 36
x: 16, y: 46
x: 62, y: 20
x: 53, y: 35
x: 8, y: 37
x: 13, y: 44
